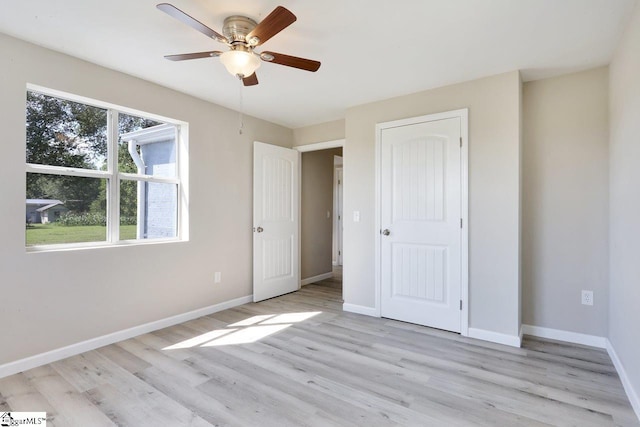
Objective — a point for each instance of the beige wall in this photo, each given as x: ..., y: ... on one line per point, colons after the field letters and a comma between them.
x: 494, y: 191
x: 56, y: 299
x: 624, y: 201
x: 317, y: 200
x: 565, y: 228
x: 329, y: 131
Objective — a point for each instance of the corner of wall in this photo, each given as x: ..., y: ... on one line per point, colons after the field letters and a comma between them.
x: 624, y: 208
x: 521, y: 198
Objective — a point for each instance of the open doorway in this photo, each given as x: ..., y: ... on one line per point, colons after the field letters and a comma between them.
x: 321, y: 180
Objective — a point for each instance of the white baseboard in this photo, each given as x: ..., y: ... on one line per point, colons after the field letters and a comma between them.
x: 315, y: 279
x: 93, y: 343
x: 593, y: 341
x: 482, y: 334
x: 567, y: 336
x: 633, y: 396
x: 360, y: 309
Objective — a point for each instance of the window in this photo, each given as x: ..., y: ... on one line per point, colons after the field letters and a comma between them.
x: 99, y: 174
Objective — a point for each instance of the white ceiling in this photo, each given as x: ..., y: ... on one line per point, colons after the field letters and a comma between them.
x: 369, y: 49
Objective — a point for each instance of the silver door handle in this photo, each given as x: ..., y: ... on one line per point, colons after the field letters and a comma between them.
x: 386, y: 232
x: 259, y: 229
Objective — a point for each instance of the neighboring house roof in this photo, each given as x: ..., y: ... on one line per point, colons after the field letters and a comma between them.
x: 150, y: 135
x: 45, y: 204
x: 44, y: 208
x: 43, y: 201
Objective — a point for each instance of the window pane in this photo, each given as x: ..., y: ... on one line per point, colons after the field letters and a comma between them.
x: 65, y: 133
x: 65, y: 209
x: 148, y: 210
x: 146, y: 146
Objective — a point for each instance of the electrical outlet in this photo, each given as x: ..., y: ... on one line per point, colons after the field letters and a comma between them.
x: 217, y: 277
x: 587, y: 297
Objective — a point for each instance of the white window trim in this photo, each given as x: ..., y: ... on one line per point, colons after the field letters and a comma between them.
x: 114, y: 177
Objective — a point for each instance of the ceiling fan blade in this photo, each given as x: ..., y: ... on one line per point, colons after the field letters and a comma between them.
x: 252, y: 80
x: 290, y: 61
x: 275, y: 22
x: 196, y: 55
x: 176, y: 13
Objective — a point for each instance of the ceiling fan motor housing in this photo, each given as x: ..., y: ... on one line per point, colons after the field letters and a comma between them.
x: 237, y: 27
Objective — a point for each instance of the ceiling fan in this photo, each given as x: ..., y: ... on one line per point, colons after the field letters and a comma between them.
x: 242, y: 35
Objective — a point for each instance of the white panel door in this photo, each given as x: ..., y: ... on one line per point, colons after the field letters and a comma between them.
x: 420, y: 218
x: 275, y: 221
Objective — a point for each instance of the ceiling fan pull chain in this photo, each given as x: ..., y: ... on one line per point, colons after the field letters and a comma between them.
x: 241, y: 125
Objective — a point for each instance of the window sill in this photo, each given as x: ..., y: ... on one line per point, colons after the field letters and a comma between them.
x: 99, y: 245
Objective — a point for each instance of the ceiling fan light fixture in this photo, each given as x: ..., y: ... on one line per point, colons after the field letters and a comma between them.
x: 240, y: 63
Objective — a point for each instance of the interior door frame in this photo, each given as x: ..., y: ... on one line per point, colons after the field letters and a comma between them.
x: 325, y: 145
x: 463, y: 115
x: 338, y: 210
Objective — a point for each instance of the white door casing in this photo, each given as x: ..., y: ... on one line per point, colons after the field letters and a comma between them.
x: 338, y: 217
x: 340, y: 214
x: 275, y: 221
x: 421, y: 191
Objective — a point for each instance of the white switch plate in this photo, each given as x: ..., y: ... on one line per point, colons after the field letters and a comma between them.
x: 217, y: 277
x: 328, y: 214
x: 587, y: 297
x: 356, y: 216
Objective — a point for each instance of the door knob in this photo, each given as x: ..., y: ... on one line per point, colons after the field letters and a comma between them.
x: 386, y: 232
x: 259, y: 229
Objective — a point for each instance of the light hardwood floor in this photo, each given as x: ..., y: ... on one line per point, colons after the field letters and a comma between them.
x: 321, y: 367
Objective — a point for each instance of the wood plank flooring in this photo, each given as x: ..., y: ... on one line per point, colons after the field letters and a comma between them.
x: 298, y: 360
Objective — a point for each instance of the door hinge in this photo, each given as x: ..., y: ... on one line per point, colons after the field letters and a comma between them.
x: 460, y: 141
x: 460, y: 304
x: 460, y: 222
x: 339, y: 252
x: 338, y: 182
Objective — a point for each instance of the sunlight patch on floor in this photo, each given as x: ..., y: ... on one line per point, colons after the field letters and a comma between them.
x: 252, y: 320
x: 200, y: 339
x: 246, y: 336
x: 245, y: 331
x: 290, y: 318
